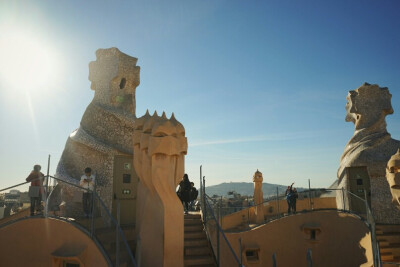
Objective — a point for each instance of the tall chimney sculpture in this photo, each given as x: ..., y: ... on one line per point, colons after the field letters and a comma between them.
x: 258, y: 197
x: 160, y: 147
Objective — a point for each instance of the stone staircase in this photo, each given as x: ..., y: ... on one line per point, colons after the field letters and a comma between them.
x: 107, y: 238
x: 197, y: 252
x: 388, y: 237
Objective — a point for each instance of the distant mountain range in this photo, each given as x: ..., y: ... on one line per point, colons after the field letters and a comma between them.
x: 246, y: 189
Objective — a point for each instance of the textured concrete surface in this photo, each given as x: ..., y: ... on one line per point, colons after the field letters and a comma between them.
x: 160, y: 147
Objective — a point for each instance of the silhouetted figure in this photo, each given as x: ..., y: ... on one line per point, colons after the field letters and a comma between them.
x: 289, y: 196
x: 36, y: 188
x: 193, y: 195
x: 293, y: 200
x: 184, y: 192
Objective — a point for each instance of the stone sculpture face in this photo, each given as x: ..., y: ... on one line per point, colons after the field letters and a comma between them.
x: 371, y: 146
x: 137, y: 134
x: 367, y: 104
x: 160, y: 165
x: 393, y: 177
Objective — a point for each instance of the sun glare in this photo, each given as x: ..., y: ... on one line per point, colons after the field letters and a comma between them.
x: 27, y: 63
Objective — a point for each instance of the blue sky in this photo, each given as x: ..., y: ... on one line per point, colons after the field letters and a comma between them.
x: 257, y: 84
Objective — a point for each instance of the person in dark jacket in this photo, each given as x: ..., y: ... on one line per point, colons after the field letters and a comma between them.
x: 36, y: 179
x: 293, y: 200
x: 289, y: 197
x: 193, y: 195
x: 184, y: 192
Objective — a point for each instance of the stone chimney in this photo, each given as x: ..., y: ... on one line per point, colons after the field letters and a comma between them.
x: 258, y: 197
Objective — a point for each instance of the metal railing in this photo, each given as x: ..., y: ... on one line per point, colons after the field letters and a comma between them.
x: 307, y: 202
x: 212, y: 221
x: 15, y: 204
x: 100, y: 225
x: 108, y: 224
x: 351, y: 203
x: 213, y: 227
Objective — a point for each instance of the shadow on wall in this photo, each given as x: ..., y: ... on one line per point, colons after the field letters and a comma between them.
x: 335, y: 239
x: 41, y: 242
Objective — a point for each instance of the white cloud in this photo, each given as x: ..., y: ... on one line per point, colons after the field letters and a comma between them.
x: 271, y: 137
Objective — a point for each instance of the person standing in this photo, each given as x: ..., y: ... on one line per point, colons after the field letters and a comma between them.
x: 87, y: 182
x: 293, y: 200
x: 36, y: 188
x: 289, y: 197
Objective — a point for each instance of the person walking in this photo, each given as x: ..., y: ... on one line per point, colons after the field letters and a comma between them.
x: 87, y: 182
x: 193, y: 195
x: 184, y: 192
x: 36, y: 188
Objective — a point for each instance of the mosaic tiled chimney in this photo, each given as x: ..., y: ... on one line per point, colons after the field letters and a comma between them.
x: 106, y: 128
x: 363, y: 163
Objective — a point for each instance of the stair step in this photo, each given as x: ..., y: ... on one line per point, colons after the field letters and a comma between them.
x: 192, y: 216
x: 196, y: 242
x: 205, y: 250
x: 197, y: 251
x: 389, y: 237
x: 388, y: 227
x: 195, y: 234
x: 198, y: 260
x: 387, y: 256
x: 390, y: 234
x: 389, y: 245
x: 193, y: 222
x: 383, y: 243
x: 193, y: 228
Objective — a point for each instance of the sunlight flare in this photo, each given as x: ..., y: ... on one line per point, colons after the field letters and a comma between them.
x: 28, y: 62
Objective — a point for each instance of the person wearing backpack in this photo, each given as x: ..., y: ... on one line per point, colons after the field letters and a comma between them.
x: 193, y: 195
x: 293, y: 200
x: 184, y: 192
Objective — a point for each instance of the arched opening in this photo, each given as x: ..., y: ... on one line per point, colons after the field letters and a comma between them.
x: 122, y: 83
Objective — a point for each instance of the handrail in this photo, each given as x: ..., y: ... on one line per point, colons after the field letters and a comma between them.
x: 97, y: 197
x: 221, y: 231
x: 213, y: 200
x: 369, y: 220
x: 282, y: 196
x: 7, y: 188
x: 109, y: 215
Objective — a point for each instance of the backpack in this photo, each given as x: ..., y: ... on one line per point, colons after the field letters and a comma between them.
x: 193, y: 193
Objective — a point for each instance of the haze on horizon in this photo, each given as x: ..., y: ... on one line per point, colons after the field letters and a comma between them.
x: 257, y: 84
